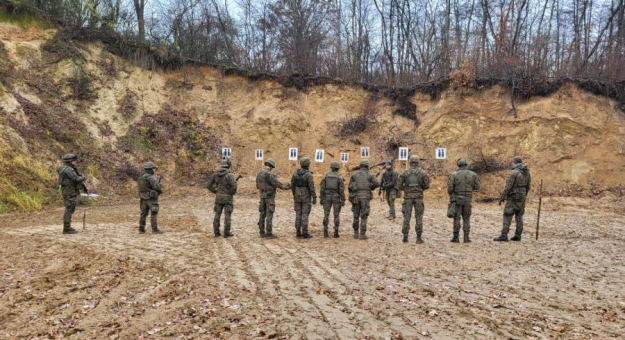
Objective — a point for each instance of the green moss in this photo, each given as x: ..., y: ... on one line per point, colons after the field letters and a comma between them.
x: 23, y: 20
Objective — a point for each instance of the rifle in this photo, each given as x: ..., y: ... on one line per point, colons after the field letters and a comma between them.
x: 239, y: 177
x: 356, y: 167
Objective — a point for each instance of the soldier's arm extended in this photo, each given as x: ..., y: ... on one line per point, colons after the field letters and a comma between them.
x: 233, y: 183
x: 476, y: 183
x: 273, y: 180
x: 311, y: 185
x: 374, y: 182
x: 509, y: 185
x: 155, y: 184
x: 450, y: 184
x: 211, y: 185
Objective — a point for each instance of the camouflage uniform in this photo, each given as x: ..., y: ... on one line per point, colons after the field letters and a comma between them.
x: 150, y: 188
x: 267, y: 183
x: 360, y: 186
x: 332, y: 194
x: 413, y: 182
x: 389, y: 185
x: 460, y: 187
x: 303, y: 188
x: 515, y: 192
x: 71, y: 183
x: 224, y: 186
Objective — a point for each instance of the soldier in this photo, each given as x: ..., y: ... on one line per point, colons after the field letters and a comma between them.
x: 460, y: 187
x: 224, y: 186
x: 303, y: 187
x: 389, y: 186
x: 413, y: 182
x: 150, y: 188
x: 515, y: 192
x: 360, y: 186
x: 332, y: 194
x: 71, y: 183
x: 267, y: 183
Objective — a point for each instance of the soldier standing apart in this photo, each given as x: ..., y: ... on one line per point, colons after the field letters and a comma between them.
x: 413, y: 182
x: 389, y: 185
x: 303, y: 187
x: 150, y: 188
x: 332, y: 194
x: 460, y: 187
x: 360, y: 186
x: 515, y: 192
x: 224, y: 186
x: 71, y: 182
x: 267, y: 183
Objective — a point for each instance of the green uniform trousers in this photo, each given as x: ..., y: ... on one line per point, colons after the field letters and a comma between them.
x: 407, y: 207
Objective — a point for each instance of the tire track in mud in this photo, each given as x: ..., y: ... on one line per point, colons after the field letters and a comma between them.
x: 338, y: 316
x: 374, y: 323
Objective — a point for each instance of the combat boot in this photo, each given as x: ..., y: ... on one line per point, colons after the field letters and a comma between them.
x: 157, y: 231
x: 217, y: 234
x: 516, y: 238
x: 298, y: 234
x: 336, y: 234
x: 262, y: 234
x: 271, y: 236
x: 325, y: 233
x: 501, y: 238
x: 455, y: 238
x: 226, y: 235
x: 306, y: 235
x: 466, y: 238
x: 363, y: 236
x: 141, y: 230
x: 419, y: 239
x: 405, y: 239
x: 69, y: 230
x: 356, y: 236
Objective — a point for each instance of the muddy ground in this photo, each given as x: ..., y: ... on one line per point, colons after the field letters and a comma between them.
x: 108, y: 282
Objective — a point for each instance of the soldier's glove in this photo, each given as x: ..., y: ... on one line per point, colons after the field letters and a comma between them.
x: 501, y: 201
x: 314, y: 200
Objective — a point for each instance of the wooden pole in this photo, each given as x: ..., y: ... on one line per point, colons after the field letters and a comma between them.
x: 540, y: 203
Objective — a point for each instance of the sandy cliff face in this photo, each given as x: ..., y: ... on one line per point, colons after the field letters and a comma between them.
x: 182, y: 119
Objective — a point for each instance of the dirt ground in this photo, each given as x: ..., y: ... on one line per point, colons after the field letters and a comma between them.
x: 108, y: 282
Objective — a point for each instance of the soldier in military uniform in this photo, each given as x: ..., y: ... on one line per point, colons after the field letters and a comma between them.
x: 150, y: 188
x: 71, y: 183
x: 389, y: 186
x: 224, y: 186
x: 515, y: 192
x: 267, y: 183
x: 303, y: 187
x: 413, y: 182
x: 360, y: 186
x: 460, y: 187
x: 332, y: 194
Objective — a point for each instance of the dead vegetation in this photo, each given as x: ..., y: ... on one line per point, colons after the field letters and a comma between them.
x: 128, y: 105
x: 484, y: 164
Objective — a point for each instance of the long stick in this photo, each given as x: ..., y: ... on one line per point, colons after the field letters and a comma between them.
x: 84, y: 219
x: 540, y: 203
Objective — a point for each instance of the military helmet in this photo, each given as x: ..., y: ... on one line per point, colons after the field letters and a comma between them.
x: 70, y: 157
x: 415, y: 159
x: 364, y: 162
x: 305, y: 161
x: 225, y: 164
x: 149, y: 166
x: 270, y: 162
x: 517, y: 159
x: 335, y: 165
x: 462, y: 162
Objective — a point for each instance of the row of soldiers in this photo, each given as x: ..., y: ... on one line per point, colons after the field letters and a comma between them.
x: 411, y: 184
